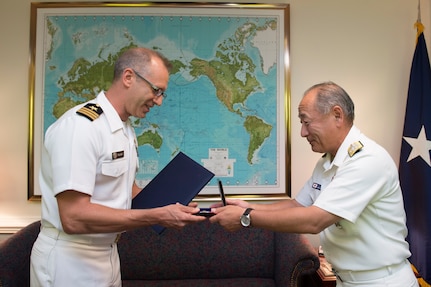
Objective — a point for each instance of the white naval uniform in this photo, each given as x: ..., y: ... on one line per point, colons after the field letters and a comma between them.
x: 363, y: 189
x: 97, y: 157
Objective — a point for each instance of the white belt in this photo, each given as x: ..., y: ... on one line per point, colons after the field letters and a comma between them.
x: 349, y: 276
x: 56, y: 234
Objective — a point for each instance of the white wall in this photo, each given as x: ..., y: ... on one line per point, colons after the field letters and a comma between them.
x: 365, y: 46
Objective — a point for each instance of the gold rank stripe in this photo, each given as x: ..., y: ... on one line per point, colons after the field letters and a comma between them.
x: 88, y: 112
x: 92, y: 115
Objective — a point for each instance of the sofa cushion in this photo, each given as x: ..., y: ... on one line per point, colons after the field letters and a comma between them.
x: 201, y: 250
x: 232, y: 282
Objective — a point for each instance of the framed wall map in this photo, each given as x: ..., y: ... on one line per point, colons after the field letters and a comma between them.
x: 229, y: 90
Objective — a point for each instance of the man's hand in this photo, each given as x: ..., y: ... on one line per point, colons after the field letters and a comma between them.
x: 228, y: 216
x: 193, y: 204
x: 177, y: 216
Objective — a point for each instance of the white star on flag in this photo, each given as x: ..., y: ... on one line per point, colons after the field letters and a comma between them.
x: 420, y: 147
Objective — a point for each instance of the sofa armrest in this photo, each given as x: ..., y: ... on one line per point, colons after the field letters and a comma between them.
x: 295, y: 257
x: 15, y: 256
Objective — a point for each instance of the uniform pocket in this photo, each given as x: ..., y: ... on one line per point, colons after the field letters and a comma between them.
x: 114, y: 168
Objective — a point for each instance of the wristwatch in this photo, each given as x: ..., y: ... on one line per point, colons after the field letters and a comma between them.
x: 245, y: 217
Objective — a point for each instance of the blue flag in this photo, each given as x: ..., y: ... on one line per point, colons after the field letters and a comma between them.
x: 415, y: 163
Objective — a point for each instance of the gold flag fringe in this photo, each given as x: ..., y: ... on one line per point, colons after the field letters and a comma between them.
x: 421, y: 281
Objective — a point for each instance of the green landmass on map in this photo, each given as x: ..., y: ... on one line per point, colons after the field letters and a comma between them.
x: 151, y: 138
x: 229, y: 90
x: 52, y: 30
x: 62, y: 105
x: 231, y: 71
x: 177, y: 65
x: 86, y: 79
x: 259, y: 131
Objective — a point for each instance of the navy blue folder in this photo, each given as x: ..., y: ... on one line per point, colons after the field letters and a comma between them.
x: 179, y: 181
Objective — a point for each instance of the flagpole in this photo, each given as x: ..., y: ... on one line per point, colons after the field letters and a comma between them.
x: 419, y: 11
x: 419, y: 26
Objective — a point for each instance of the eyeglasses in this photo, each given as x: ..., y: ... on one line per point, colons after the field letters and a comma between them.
x: 157, y: 91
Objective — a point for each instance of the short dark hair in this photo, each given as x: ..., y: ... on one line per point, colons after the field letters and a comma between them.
x: 329, y: 95
x: 138, y: 59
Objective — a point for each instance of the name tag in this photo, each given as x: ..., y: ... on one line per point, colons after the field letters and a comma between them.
x: 118, y: 154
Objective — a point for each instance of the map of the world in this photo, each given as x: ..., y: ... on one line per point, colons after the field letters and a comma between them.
x: 225, y: 97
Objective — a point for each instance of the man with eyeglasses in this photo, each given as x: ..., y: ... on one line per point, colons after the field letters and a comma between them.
x: 87, y: 179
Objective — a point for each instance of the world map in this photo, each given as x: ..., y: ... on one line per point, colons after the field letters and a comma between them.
x: 223, y: 101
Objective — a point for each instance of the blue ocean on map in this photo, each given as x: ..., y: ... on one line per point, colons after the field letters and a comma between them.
x: 192, y: 118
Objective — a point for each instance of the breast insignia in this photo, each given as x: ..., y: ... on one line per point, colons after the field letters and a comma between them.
x: 354, y: 148
x: 90, y: 111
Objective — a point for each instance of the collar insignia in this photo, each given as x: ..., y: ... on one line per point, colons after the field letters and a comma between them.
x: 354, y: 148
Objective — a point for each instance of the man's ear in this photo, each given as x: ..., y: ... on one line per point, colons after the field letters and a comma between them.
x: 338, y: 113
x: 127, y: 77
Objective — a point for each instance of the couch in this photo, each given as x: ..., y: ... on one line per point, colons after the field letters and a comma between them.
x: 201, y: 254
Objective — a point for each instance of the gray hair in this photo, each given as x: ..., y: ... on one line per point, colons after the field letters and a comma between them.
x: 138, y: 59
x: 329, y: 95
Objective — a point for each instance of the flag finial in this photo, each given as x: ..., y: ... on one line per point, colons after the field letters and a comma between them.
x: 419, y: 28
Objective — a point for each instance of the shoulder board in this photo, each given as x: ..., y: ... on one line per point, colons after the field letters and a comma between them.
x: 90, y: 111
x: 354, y: 148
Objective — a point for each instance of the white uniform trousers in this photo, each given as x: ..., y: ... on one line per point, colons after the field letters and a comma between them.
x: 400, y: 275
x: 61, y: 263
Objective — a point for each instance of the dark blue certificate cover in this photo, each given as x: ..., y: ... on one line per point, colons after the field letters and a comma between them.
x: 179, y: 181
